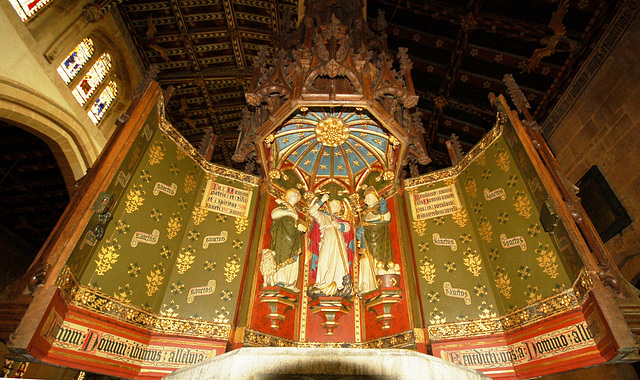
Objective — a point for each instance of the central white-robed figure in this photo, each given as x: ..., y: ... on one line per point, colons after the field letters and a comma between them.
x: 331, y: 245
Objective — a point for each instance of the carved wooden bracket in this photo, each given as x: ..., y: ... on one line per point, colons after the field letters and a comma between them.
x: 279, y: 301
x: 330, y: 309
x: 380, y: 302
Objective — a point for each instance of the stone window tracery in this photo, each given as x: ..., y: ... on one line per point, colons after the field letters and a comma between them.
x: 102, y: 103
x: 92, y: 79
x: 76, y: 60
x: 87, y: 71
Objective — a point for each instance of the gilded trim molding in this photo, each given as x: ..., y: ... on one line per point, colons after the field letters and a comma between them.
x: 208, y: 167
x: 94, y: 301
x: 456, y: 170
x: 260, y: 339
x: 568, y: 300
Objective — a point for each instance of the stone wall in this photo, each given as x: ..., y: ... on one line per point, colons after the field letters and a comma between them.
x: 603, y: 128
x: 35, y: 98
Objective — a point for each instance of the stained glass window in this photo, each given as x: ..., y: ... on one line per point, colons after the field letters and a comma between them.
x: 74, y: 62
x: 103, y: 102
x: 92, y: 79
x: 27, y: 8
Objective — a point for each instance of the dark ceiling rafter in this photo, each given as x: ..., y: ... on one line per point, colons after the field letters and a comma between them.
x: 512, y: 27
x: 234, y: 35
x: 449, y: 78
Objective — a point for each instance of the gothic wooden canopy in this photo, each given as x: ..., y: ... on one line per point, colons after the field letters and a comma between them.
x: 460, y: 52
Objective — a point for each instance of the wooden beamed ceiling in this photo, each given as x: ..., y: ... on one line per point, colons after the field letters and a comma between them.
x: 460, y: 49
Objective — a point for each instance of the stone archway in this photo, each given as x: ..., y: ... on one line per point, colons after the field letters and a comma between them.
x: 74, y: 147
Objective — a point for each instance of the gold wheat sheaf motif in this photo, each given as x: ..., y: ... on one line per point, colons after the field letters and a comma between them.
x: 107, y: 257
x: 438, y: 317
x: 471, y: 187
x: 522, y: 204
x: 420, y: 226
x: 532, y: 294
x: 189, y: 182
x: 199, y: 215
x: 232, y: 268
x: 460, y: 218
x: 547, y: 260
x: 473, y: 262
x: 123, y: 293
x: 485, y: 229
x: 92, y: 300
x: 241, y: 225
x: 174, y: 225
x: 485, y: 311
x: 502, y: 160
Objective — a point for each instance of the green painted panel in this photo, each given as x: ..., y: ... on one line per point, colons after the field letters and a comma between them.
x: 199, y: 264
x: 504, y: 258
x: 570, y: 257
x: 82, y: 253
x: 464, y: 268
x: 125, y: 264
x: 505, y: 214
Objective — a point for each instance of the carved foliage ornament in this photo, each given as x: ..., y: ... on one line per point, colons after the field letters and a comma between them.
x: 332, y: 132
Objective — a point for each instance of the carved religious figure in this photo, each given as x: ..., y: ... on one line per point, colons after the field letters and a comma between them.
x: 374, y: 237
x: 332, y: 247
x: 279, y: 265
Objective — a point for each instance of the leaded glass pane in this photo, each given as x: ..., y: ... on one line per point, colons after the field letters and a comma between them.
x: 27, y: 8
x: 103, y: 102
x: 92, y: 79
x: 74, y: 62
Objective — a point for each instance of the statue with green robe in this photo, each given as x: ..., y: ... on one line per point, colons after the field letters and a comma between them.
x: 373, y: 233
x: 279, y: 264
